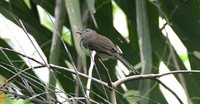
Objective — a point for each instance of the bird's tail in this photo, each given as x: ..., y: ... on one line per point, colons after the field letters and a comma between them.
x: 126, y: 63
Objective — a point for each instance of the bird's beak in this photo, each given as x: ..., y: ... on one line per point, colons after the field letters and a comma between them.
x: 79, y: 32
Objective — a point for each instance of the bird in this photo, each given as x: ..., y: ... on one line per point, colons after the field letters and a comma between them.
x: 105, y: 49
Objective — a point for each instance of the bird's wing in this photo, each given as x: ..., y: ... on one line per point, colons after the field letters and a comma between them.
x: 101, y: 45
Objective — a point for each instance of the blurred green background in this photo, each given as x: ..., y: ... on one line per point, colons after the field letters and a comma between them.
x: 136, y: 26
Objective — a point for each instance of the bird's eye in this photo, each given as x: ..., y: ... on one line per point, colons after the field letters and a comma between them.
x: 86, y: 30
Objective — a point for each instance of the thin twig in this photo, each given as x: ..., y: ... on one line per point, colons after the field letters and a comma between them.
x: 113, y: 88
x: 28, y: 88
x: 23, y: 73
x: 107, y: 74
x: 23, y: 97
x: 170, y: 90
x: 23, y: 55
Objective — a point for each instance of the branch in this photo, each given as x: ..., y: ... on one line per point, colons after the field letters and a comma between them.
x: 79, y: 73
x: 89, y: 81
x: 160, y: 82
x: 151, y: 76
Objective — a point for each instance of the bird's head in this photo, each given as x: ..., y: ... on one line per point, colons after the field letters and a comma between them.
x: 86, y: 32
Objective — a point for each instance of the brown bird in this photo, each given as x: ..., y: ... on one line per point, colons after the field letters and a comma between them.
x: 105, y: 49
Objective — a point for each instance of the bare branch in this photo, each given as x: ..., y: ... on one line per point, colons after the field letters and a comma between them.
x: 170, y: 90
x: 151, y: 76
